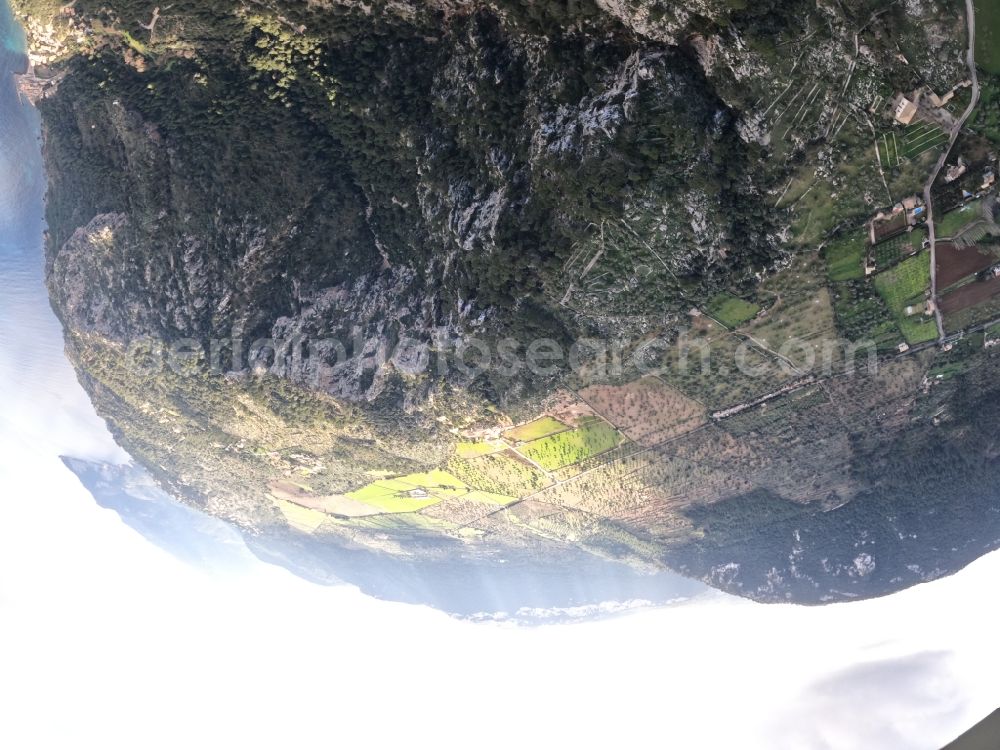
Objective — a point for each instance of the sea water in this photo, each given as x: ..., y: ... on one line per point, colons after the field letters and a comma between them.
x: 39, y: 394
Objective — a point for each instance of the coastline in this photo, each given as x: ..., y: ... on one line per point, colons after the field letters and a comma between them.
x: 35, y: 82
x: 33, y: 65
x: 32, y: 84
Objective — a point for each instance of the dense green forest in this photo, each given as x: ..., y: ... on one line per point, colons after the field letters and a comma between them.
x: 481, y: 155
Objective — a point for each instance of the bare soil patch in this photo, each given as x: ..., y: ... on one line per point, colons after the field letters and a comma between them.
x: 969, y: 295
x: 955, y: 263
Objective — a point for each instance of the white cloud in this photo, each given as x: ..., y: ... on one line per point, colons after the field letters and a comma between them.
x: 106, y: 637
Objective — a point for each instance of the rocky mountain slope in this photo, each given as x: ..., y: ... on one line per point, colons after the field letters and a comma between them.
x: 280, y: 233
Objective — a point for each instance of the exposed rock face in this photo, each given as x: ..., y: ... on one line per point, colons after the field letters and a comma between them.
x: 438, y: 198
x: 312, y: 211
x: 85, y: 271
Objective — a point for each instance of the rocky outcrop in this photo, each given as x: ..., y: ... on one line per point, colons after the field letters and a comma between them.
x: 438, y: 199
x: 84, y: 274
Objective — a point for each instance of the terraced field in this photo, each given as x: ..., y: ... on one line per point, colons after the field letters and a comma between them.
x: 915, y: 139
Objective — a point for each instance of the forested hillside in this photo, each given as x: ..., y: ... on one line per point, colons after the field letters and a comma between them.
x: 397, y: 184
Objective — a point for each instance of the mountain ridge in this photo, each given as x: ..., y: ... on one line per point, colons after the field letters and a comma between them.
x: 404, y: 186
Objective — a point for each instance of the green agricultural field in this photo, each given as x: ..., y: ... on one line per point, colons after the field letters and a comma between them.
x: 534, y: 430
x: 478, y: 448
x: 906, y: 285
x: 845, y: 256
x: 988, y: 35
x: 888, y: 151
x: 920, y: 137
x: 863, y: 315
x: 556, y: 451
x: 731, y: 311
x: 411, y: 492
x: 918, y: 330
x: 503, y: 473
x: 893, y: 250
x: 952, y: 222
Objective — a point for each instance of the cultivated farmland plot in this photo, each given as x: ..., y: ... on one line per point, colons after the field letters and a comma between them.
x: 955, y: 263
x: 503, y: 473
x: 914, y: 140
x: 565, y: 448
x: 970, y: 295
x: 411, y: 492
x: 952, y: 223
x: 534, y: 430
x: 906, y: 283
x: 893, y: 250
x: 731, y: 311
x: 845, y: 256
x: 904, y: 286
x: 648, y: 411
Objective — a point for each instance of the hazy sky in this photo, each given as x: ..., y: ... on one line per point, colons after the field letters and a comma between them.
x: 107, y: 641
